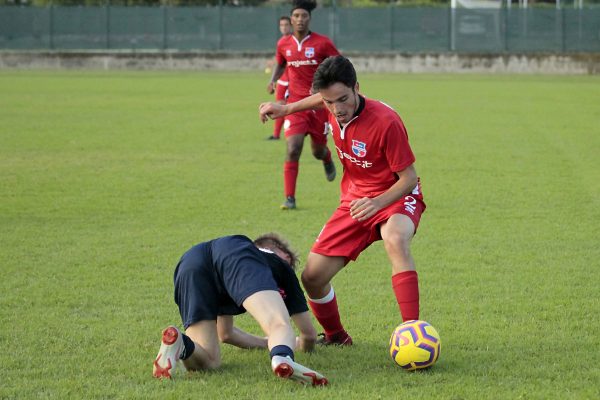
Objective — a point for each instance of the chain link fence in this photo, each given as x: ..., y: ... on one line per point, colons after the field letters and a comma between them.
x: 377, y: 29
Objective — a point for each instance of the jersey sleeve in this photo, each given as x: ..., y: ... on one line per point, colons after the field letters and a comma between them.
x: 398, y: 153
x: 329, y: 49
x: 294, y: 299
x: 279, y: 55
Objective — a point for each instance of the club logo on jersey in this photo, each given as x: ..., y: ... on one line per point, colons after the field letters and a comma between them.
x: 288, y: 53
x: 309, y: 52
x: 359, y: 148
x: 282, y: 293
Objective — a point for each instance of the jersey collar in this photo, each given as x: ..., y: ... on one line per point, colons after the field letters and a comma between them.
x: 299, y: 44
x: 361, y: 106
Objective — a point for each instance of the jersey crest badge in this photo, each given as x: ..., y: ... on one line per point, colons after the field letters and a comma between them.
x: 309, y: 52
x: 282, y: 293
x: 359, y: 148
x: 288, y: 53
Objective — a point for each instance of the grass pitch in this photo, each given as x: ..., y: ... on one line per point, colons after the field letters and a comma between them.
x: 107, y: 178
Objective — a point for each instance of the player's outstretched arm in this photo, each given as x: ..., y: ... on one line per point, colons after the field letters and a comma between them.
x: 277, y: 72
x: 275, y: 110
x: 236, y: 337
x: 308, y: 335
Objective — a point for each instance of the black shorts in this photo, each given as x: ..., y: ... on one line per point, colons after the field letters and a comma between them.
x: 215, y: 278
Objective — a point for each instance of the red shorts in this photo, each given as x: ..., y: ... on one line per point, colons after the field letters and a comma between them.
x: 343, y: 236
x: 311, y: 122
x: 281, y: 91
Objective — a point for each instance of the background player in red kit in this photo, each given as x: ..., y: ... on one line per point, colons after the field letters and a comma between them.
x: 381, y: 194
x: 281, y: 87
x: 300, y: 54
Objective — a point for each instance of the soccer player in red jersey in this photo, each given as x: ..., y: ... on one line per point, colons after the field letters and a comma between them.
x: 300, y: 54
x: 281, y: 87
x: 381, y: 195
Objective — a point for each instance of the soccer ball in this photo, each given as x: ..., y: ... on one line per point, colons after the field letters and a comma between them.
x: 415, y: 345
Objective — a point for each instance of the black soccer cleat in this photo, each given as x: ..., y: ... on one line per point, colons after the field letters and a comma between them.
x: 329, y: 170
x: 289, y: 203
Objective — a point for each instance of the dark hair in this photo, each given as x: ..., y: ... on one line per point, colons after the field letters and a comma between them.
x: 333, y: 70
x: 307, y: 5
x: 273, y: 240
x: 285, y: 17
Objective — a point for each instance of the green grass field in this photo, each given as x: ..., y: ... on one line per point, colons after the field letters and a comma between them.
x: 107, y: 178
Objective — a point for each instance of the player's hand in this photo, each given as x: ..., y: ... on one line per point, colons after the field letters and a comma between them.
x: 270, y: 110
x: 365, y: 208
x: 271, y: 88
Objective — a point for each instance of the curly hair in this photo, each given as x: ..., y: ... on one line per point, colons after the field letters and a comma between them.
x: 307, y: 5
x: 273, y: 240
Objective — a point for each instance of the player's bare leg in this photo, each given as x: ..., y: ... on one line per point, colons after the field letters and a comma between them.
x: 207, y: 352
x: 318, y: 273
x: 197, y: 349
x: 316, y: 279
x: 269, y: 310
x: 397, y: 234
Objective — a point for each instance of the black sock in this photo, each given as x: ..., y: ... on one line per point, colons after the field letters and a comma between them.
x: 283, y: 351
x: 188, y: 347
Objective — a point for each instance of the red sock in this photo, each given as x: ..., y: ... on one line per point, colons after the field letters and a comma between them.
x: 327, y: 158
x: 290, y: 174
x: 406, y: 289
x: 328, y: 316
x: 277, y: 127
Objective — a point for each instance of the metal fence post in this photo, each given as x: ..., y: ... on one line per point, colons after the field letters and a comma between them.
x: 334, y: 20
x: 452, y: 20
x: 165, y: 20
x: 506, y: 24
x: 51, y: 27
x: 391, y: 25
x: 108, y: 24
x: 564, y: 30
x: 220, y: 24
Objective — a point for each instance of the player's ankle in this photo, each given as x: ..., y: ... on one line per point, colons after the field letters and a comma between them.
x: 283, y: 351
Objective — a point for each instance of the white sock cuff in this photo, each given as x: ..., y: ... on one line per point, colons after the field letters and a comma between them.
x: 328, y: 297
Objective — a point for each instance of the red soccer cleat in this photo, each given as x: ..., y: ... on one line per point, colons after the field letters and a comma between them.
x: 168, y: 355
x: 286, y: 368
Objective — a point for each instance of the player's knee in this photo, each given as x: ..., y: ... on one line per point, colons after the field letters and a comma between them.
x: 310, y: 280
x: 294, y: 152
x: 192, y: 364
x: 225, y: 337
x: 319, y: 153
x: 398, y: 239
x: 213, y: 364
x: 279, y: 324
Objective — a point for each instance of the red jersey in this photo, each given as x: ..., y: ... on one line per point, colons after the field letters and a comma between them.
x: 301, y: 60
x: 283, y: 80
x: 372, y: 147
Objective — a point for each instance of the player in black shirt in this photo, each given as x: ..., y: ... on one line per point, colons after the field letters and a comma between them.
x: 227, y: 276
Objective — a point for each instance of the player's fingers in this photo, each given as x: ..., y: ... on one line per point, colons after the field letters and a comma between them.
x: 358, y: 211
x: 366, y: 214
x: 360, y: 215
x: 356, y: 203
